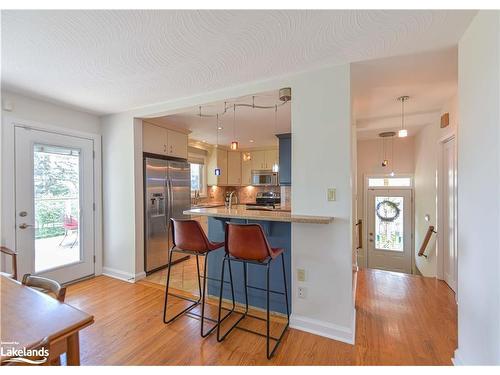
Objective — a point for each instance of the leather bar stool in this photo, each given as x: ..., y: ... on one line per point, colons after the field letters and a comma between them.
x: 247, y: 243
x: 188, y: 237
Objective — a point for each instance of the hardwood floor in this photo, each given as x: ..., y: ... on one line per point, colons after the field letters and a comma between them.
x: 401, y: 320
x: 183, y: 275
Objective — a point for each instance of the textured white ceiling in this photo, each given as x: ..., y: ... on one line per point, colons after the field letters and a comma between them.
x: 430, y: 79
x: 250, y: 124
x: 108, y: 61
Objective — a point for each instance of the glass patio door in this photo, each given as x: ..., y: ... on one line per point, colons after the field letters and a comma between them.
x: 54, y: 204
x: 389, y: 229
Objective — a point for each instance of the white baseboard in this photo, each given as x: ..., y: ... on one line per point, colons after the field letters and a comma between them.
x: 322, y: 328
x: 140, y: 275
x: 118, y: 274
x: 457, y: 359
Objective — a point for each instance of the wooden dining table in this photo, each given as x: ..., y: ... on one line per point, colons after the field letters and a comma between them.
x: 29, y: 317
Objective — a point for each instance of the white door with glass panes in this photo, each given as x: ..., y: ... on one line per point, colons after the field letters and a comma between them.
x: 54, y: 177
x: 389, y: 229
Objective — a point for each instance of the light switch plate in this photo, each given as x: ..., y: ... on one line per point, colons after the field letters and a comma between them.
x: 332, y: 193
x: 301, y: 274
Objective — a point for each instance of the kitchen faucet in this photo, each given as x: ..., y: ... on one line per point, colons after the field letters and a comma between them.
x: 230, y: 203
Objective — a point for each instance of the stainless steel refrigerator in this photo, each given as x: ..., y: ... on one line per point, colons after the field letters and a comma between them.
x: 167, y: 193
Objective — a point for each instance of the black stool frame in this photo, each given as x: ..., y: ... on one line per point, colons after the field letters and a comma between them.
x: 268, y: 337
x: 201, y: 289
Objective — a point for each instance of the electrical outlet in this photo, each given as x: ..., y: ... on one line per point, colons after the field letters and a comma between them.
x: 301, y: 274
x: 332, y: 192
x: 302, y: 292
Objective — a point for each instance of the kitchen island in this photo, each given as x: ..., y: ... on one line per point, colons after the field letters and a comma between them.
x: 277, y: 227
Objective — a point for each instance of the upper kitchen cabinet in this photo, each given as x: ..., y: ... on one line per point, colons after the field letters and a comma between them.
x: 162, y: 141
x: 154, y: 139
x: 271, y: 157
x: 285, y: 152
x: 262, y: 160
x: 246, y: 168
x: 217, y: 159
x: 177, y: 144
x: 258, y: 160
x: 233, y: 168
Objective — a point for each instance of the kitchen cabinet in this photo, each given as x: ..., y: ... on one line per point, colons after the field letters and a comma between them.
x: 217, y: 159
x: 154, y: 139
x: 246, y: 170
x: 258, y: 160
x: 262, y: 160
x: 234, y: 168
x: 271, y: 158
x: 162, y: 141
x: 285, y: 159
x: 177, y: 144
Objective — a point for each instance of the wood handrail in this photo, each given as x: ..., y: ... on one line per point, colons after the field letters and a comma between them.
x: 427, y: 238
x: 359, y: 224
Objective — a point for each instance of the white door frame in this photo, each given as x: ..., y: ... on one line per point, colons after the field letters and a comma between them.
x: 8, y: 220
x: 440, y: 208
x: 365, y: 212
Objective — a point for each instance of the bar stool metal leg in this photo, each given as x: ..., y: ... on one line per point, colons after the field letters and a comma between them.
x: 202, y: 316
x: 245, y: 279
x: 278, y: 341
x: 219, y: 321
x: 194, y: 302
x: 268, y: 319
x: 286, y: 289
x: 268, y: 336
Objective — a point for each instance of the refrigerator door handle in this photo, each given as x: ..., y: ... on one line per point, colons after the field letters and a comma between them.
x: 171, y: 200
x: 167, y: 203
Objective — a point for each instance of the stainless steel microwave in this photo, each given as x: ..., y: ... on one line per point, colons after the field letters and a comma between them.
x: 264, y: 178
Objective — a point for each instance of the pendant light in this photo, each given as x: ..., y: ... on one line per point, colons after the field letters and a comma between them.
x: 392, y: 157
x: 384, y: 135
x: 234, y: 143
x: 276, y: 167
x: 403, y: 132
x: 217, y: 169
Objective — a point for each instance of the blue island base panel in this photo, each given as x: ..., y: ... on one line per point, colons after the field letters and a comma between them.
x: 278, y: 235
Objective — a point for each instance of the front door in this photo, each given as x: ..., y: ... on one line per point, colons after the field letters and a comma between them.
x: 389, y: 229
x: 54, y: 204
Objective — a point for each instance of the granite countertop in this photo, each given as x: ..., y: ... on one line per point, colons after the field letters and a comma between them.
x: 241, y: 212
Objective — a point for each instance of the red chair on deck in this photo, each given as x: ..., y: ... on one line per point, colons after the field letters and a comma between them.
x: 70, y: 224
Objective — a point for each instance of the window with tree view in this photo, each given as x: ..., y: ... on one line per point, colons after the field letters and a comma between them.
x: 198, y: 179
x: 56, y: 177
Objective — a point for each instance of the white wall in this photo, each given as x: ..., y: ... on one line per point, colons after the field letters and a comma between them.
x: 27, y: 108
x: 321, y: 155
x: 369, y: 162
x: 321, y: 158
x: 427, y: 149
x: 479, y: 192
x: 119, y: 213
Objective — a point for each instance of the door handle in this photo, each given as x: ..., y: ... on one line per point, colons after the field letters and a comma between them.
x: 24, y: 226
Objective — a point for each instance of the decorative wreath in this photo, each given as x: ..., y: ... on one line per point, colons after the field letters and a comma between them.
x: 387, y: 211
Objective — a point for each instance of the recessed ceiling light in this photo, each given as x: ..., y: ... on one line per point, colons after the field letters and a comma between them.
x: 220, y: 128
x: 251, y: 140
x: 204, y: 141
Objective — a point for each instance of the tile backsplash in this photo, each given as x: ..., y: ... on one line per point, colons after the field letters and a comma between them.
x: 246, y: 194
